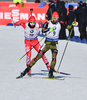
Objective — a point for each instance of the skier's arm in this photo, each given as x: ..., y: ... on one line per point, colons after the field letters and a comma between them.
x: 65, y: 25
x: 45, y: 27
x: 23, y: 24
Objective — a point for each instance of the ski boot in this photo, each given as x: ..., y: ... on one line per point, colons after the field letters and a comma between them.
x: 23, y: 73
x: 51, y: 73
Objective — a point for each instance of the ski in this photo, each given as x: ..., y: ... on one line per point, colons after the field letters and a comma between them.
x: 62, y: 73
x: 57, y: 72
x: 54, y: 78
x: 19, y: 77
x: 43, y: 78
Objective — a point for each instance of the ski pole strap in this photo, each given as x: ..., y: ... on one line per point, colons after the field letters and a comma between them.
x: 74, y: 23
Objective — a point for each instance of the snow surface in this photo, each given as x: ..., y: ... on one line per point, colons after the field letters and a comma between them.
x: 12, y: 47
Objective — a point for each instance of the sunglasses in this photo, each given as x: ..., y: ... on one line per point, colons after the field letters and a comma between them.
x: 32, y: 23
x: 55, y: 18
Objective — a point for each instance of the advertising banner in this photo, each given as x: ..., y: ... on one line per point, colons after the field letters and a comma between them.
x: 22, y: 13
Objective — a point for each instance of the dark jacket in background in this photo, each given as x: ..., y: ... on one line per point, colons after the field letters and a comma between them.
x: 37, y: 1
x: 51, y: 9
x: 81, y: 13
x: 70, y: 18
x: 62, y: 11
x: 81, y: 18
x: 62, y: 17
x: 86, y: 21
x: 86, y: 15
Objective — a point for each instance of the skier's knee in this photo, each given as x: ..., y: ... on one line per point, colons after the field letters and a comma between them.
x: 55, y: 51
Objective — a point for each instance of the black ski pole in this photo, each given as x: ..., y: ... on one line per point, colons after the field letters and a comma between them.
x: 73, y: 23
x: 63, y: 56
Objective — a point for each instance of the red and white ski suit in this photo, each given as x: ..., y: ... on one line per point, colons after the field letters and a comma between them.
x: 31, y: 40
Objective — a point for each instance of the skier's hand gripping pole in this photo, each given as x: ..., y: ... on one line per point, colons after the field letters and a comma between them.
x: 50, y: 29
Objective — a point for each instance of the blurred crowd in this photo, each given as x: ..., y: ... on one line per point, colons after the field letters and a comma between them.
x: 79, y: 15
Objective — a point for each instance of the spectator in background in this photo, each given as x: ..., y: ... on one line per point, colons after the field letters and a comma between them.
x: 24, y: 1
x: 37, y: 1
x: 81, y: 13
x: 22, y: 4
x: 70, y: 18
x: 58, y: 3
x: 86, y: 18
x: 86, y: 3
x: 51, y: 9
x: 66, y: 2
x: 15, y: 1
x: 62, y: 18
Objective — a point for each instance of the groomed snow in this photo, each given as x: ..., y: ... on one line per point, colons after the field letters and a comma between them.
x: 12, y: 47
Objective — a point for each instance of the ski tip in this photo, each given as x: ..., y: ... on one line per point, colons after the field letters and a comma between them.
x: 62, y: 73
x: 18, y: 77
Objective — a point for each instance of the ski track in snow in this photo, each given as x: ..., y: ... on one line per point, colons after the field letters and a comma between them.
x: 12, y: 47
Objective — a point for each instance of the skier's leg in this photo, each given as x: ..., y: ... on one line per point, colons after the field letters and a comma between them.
x: 27, y: 48
x: 28, y: 56
x: 37, y: 48
x: 41, y: 52
x: 39, y: 55
x: 54, y: 52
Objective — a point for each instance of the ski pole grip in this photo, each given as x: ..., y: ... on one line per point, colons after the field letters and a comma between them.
x: 74, y: 23
x: 52, y: 29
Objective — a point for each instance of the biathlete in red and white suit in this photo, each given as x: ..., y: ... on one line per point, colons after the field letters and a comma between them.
x: 30, y: 33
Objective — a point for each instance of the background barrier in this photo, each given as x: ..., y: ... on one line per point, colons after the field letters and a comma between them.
x: 9, y: 9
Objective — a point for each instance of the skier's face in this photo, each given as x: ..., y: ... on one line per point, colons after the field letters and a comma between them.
x: 55, y: 19
x: 32, y: 23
